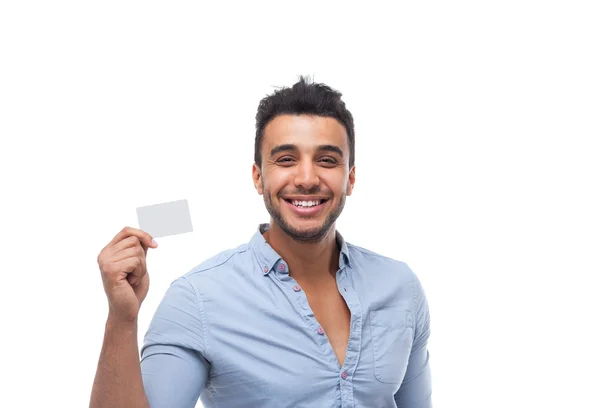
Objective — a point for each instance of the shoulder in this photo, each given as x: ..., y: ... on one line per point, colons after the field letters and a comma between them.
x: 220, y: 261
x: 376, y: 263
x: 220, y: 268
x: 389, y: 281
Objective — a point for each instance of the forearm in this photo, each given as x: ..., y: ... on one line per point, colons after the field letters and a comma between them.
x: 118, y: 382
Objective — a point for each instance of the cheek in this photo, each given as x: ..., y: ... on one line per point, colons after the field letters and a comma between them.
x: 275, y: 183
x: 336, y: 184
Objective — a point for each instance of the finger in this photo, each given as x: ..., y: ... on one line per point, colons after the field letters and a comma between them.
x: 130, y: 266
x: 131, y: 246
x: 138, y: 273
x: 129, y: 242
x: 128, y: 232
x: 130, y: 252
x: 145, y: 247
x: 134, y: 279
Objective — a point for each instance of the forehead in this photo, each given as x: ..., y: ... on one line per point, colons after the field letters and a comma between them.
x: 304, y: 131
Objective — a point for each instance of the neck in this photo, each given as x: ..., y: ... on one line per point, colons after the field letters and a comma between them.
x: 309, y: 262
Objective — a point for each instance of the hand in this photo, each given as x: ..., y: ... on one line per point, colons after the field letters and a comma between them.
x: 124, y: 275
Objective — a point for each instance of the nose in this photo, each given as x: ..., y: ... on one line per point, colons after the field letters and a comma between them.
x: 306, y: 175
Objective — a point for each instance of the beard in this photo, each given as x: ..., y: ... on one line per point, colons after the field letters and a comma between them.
x: 305, y: 235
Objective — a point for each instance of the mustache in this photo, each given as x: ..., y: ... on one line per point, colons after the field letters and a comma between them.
x: 305, y: 193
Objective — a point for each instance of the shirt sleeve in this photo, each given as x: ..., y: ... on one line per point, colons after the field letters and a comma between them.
x: 415, y: 391
x: 173, y: 363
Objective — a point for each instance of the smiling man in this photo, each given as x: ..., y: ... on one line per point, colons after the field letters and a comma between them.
x: 297, y: 316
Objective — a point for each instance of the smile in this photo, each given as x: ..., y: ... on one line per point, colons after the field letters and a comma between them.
x: 306, y: 207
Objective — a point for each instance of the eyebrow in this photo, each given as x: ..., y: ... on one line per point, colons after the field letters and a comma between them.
x: 294, y: 148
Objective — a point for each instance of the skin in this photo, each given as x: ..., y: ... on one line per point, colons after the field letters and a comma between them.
x: 306, y: 243
x: 122, y: 263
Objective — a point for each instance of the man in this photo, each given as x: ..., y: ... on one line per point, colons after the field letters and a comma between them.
x: 297, y: 316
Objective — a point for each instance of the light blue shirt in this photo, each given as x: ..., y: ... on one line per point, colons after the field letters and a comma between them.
x: 237, y: 331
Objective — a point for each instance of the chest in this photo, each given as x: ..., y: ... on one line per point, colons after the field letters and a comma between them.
x: 266, y: 346
x: 333, y: 316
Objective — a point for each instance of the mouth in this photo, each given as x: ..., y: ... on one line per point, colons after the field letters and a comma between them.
x: 306, y: 207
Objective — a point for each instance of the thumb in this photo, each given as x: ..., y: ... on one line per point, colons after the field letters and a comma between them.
x: 150, y: 244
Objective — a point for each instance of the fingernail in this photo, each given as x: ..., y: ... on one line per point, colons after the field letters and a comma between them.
x: 154, y: 242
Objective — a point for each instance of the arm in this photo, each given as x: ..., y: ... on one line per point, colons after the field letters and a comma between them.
x: 415, y: 391
x: 174, y: 368
x: 118, y: 377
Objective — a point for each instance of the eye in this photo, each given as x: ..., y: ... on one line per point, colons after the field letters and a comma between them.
x: 329, y: 160
x: 285, y: 160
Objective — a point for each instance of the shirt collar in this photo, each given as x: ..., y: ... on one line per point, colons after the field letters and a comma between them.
x: 268, y: 258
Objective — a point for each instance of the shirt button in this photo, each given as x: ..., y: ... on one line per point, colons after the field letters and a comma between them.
x: 344, y: 375
x: 265, y: 270
x: 320, y: 330
x: 296, y: 288
x: 281, y: 267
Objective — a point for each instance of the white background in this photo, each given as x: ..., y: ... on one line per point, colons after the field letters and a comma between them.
x: 477, y: 130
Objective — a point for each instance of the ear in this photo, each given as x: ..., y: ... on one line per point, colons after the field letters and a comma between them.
x: 351, y: 179
x: 256, y: 178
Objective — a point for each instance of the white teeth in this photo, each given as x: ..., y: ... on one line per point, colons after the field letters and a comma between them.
x: 305, y: 203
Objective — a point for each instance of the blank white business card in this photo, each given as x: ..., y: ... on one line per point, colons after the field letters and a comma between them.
x: 161, y: 220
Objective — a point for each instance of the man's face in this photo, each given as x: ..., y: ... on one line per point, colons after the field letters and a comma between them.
x: 305, y: 161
